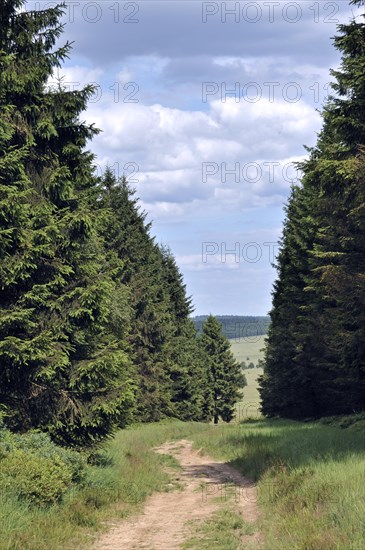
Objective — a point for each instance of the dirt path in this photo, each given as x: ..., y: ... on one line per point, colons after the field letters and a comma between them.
x: 163, y: 525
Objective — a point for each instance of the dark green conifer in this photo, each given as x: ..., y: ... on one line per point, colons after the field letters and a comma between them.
x: 315, y: 355
x: 226, y: 378
x: 61, y: 367
x: 185, y: 357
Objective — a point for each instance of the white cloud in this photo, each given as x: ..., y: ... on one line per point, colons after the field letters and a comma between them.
x: 172, y: 148
x: 125, y: 75
x: 162, y: 209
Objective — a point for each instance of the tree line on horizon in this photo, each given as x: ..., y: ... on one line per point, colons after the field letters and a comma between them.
x: 315, y: 351
x: 95, y: 328
x: 236, y: 327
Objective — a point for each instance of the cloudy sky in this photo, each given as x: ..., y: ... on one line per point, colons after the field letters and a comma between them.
x: 205, y: 106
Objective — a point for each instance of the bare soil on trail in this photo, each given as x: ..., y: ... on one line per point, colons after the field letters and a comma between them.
x: 165, y: 521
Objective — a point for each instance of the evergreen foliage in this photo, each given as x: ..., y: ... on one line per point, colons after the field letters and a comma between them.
x: 226, y: 378
x: 171, y: 369
x: 94, y: 317
x: 315, y: 354
x: 61, y: 367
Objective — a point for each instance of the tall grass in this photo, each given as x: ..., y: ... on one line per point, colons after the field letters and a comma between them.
x: 310, y: 480
x: 310, y: 483
x: 129, y: 471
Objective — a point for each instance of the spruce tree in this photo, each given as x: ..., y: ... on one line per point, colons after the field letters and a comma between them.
x: 128, y: 235
x: 226, y: 379
x: 288, y: 386
x: 336, y: 281
x: 171, y: 365
x: 322, y: 370
x: 185, y: 358
x: 62, y: 369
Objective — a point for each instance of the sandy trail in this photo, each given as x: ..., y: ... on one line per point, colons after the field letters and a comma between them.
x: 164, y: 523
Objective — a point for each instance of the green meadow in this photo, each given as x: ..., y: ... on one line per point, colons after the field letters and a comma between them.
x: 310, y: 478
x: 249, y: 349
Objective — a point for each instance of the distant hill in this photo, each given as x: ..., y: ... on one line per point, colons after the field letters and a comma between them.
x: 237, y: 326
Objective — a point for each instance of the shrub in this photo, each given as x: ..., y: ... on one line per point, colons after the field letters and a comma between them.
x: 39, y: 480
x: 33, y: 468
x: 42, y: 445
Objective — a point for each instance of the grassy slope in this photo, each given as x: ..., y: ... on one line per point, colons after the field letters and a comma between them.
x: 249, y: 406
x: 310, y: 479
x: 310, y: 475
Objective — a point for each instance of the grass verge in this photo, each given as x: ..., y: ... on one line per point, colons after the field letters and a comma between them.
x: 125, y: 472
x: 310, y: 479
x: 310, y: 484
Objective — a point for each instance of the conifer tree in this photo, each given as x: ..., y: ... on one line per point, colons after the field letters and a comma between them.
x: 128, y: 235
x: 171, y: 365
x: 187, y: 361
x: 287, y: 386
x: 320, y: 368
x: 336, y: 281
x: 61, y: 367
x: 226, y: 379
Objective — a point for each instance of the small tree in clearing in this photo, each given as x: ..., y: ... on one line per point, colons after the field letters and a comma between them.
x: 226, y: 378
